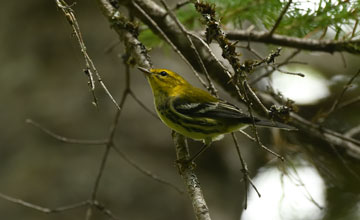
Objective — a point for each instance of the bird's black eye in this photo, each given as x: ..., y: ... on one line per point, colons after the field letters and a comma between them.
x: 163, y: 73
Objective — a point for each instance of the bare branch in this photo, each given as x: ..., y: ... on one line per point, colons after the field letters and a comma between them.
x: 329, y: 46
x: 268, y: 73
x: 247, y: 47
x: 328, y: 135
x: 97, y: 182
x: 143, y: 105
x: 289, y: 73
x: 132, y: 163
x: 90, y: 66
x: 41, y: 208
x: 244, y: 170
x: 263, y: 146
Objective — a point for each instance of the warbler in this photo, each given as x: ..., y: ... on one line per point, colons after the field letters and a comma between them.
x: 194, y: 112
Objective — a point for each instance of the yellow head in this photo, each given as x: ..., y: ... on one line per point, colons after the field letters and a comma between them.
x: 164, y: 81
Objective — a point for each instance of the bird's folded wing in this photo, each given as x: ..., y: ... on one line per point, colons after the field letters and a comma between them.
x: 220, y: 110
x: 215, y: 110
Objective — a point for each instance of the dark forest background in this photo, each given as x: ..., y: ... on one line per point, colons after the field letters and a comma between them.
x: 42, y: 78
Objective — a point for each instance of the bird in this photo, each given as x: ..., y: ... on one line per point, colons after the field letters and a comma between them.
x: 194, y: 112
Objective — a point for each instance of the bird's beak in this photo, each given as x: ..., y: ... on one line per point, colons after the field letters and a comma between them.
x: 146, y: 71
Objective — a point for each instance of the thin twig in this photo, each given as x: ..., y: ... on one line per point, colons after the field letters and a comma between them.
x: 292, y: 55
x: 181, y: 4
x: 343, y: 60
x: 225, y: 70
x: 62, y: 138
x: 117, y: 116
x: 168, y: 41
x: 349, y: 102
x: 41, y: 208
x: 327, y: 135
x: 255, y: 97
x: 338, y: 135
x: 110, y: 140
x: 354, y: 29
x: 106, y: 90
x: 283, y: 12
x: 122, y: 102
x: 101, y: 170
x: 97, y: 182
x: 209, y: 50
x: 263, y: 146
x: 211, y: 86
x: 345, y: 163
x: 268, y: 73
x: 244, y: 170
x: 301, y: 183
x: 323, y: 33
x: 132, y: 163
x: 143, y: 105
x: 70, y: 16
x: 338, y: 100
x: 104, y: 210
x: 90, y: 66
x: 247, y: 47
x: 350, y: 133
x: 289, y: 73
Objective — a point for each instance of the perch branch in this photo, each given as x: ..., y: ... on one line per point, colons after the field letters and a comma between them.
x: 191, y: 181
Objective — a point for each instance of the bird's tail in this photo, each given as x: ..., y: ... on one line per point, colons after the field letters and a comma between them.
x: 274, y: 124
